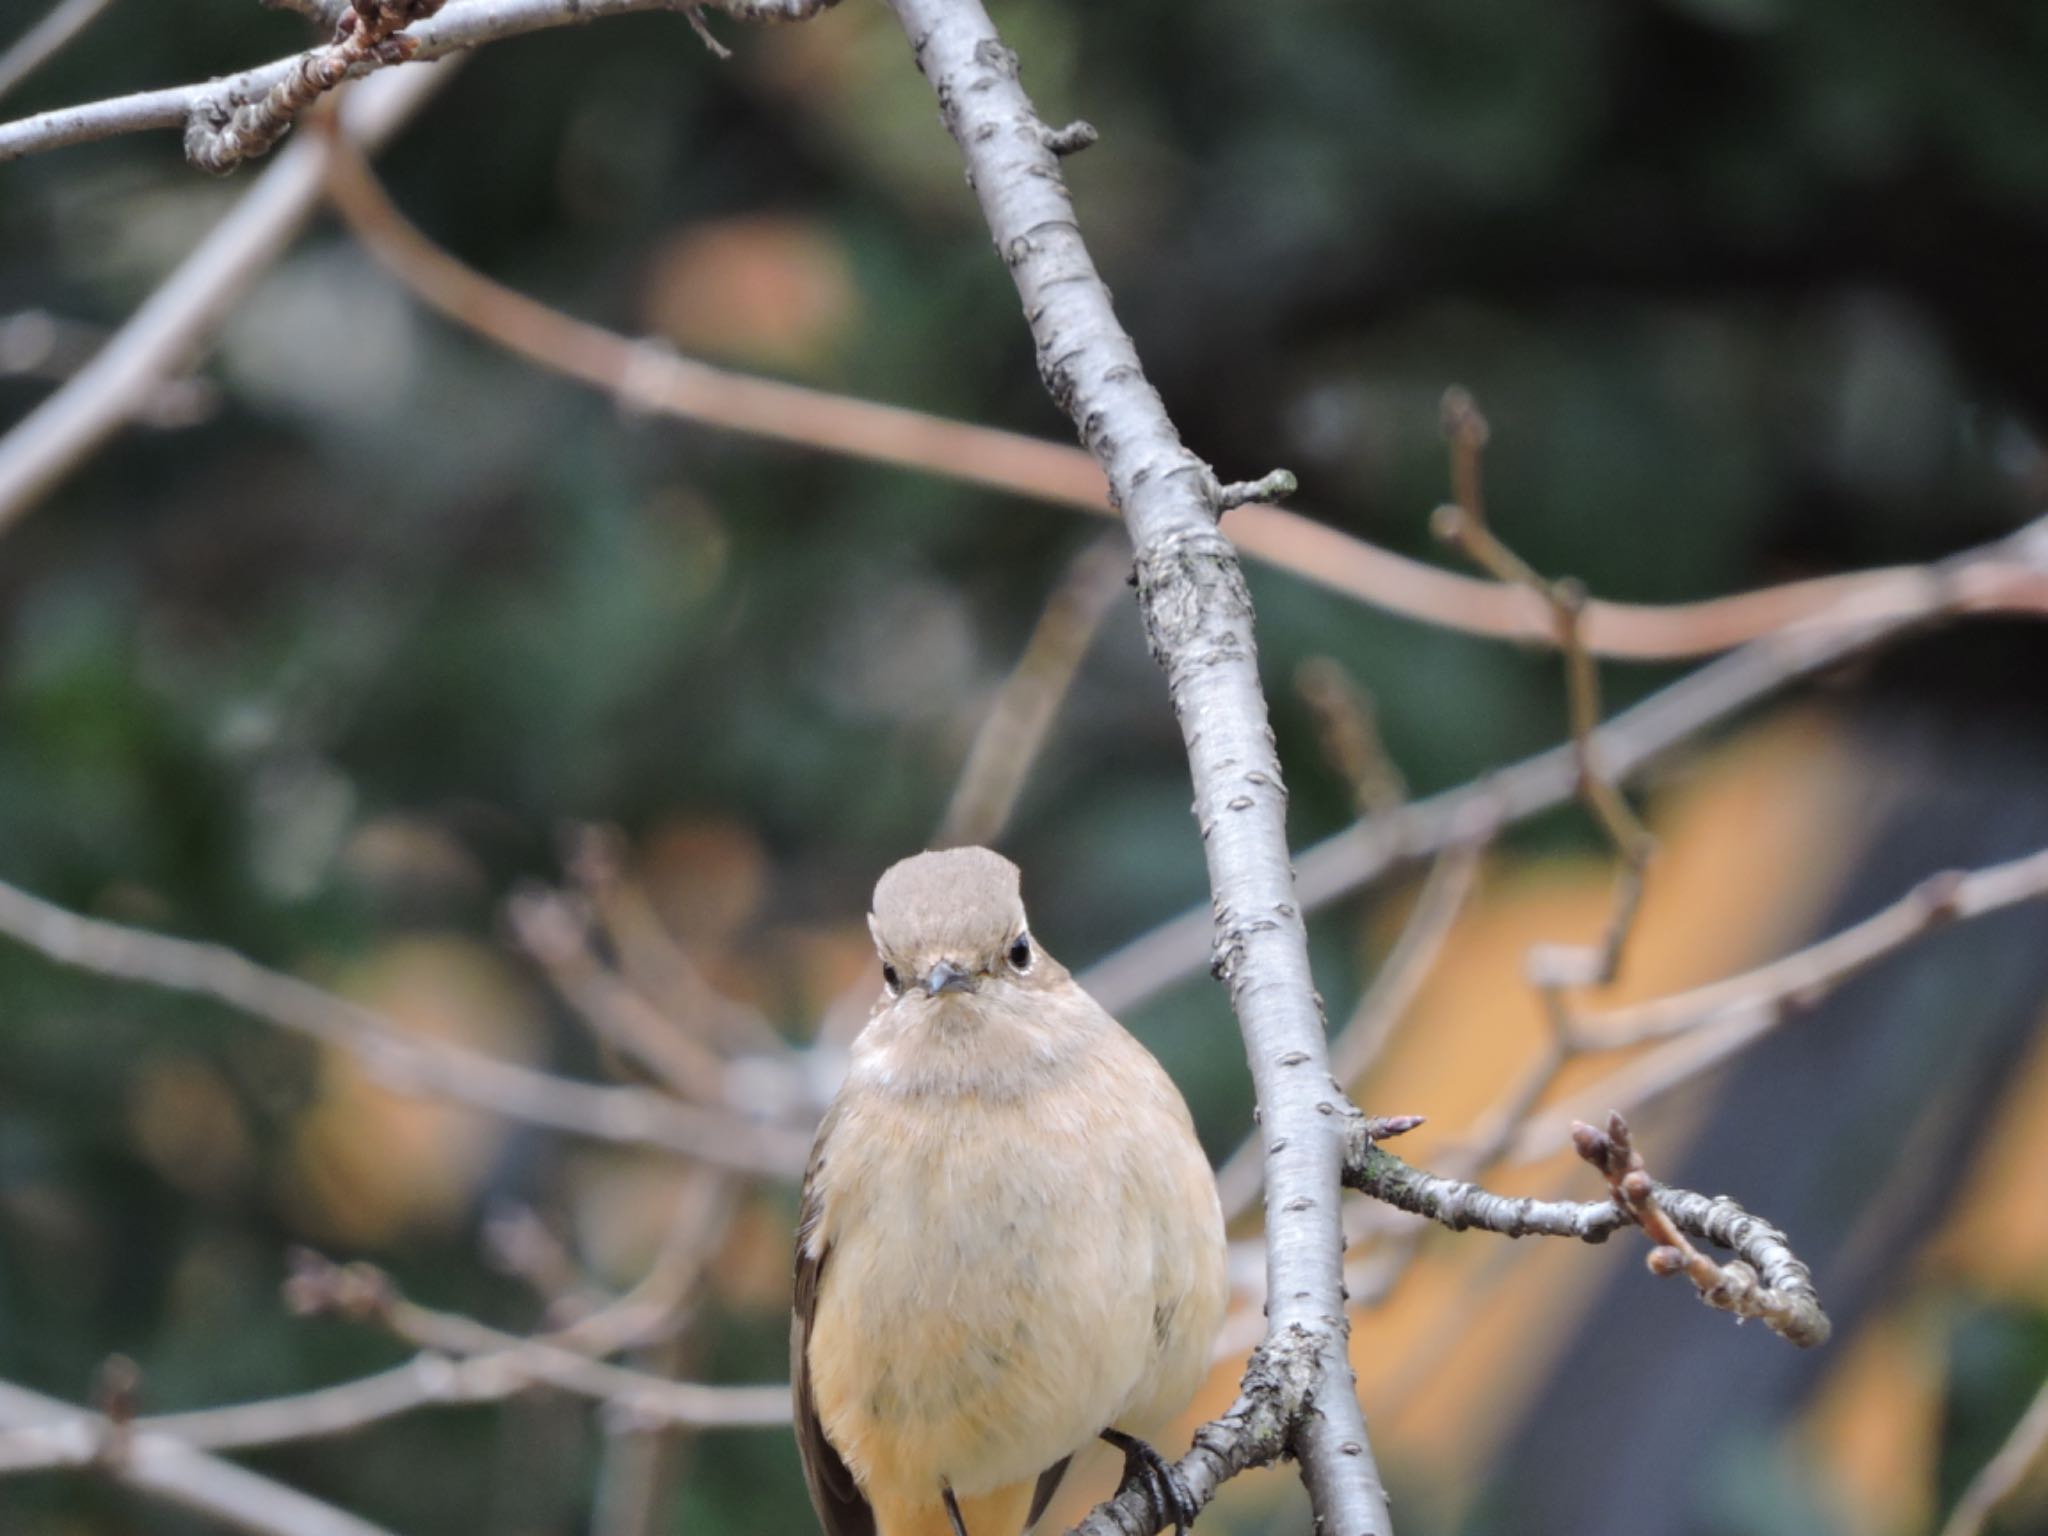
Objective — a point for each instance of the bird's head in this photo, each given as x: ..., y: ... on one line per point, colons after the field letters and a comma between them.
x: 951, y: 925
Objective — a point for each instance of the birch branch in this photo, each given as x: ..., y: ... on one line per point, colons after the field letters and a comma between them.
x: 1198, y: 617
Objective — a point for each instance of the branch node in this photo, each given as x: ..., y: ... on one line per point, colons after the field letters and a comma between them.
x: 1072, y: 139
x: 1275, y: 486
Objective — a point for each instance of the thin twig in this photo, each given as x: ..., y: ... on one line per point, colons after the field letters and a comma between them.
x: 1552, y: 968
x: 166, y: 335
x: 1775, y: 1288
x: 43, y: 41
x: 556, y: 935
x: 1348, y: 729
x: 2000, y: 1477
x: 654, y: 378
x: 1766, y: 1280
x: 166, y: 1468
x: 363, y: 1293
x: 464, y: 24
x: 1703, y: 1026
x: 1014, y: 730
x: 1627, y: 744
x: 394, y: 1059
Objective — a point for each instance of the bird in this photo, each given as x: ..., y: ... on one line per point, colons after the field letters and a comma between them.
x: 1009, y: 1242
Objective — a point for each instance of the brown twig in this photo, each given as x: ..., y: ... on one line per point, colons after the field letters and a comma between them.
x: 1015, y: 727
x: 656, y: 379
x: 1626, y: 744
x: 1553, y: 968
x: 1778, y: 1291
x: 1347, y: 728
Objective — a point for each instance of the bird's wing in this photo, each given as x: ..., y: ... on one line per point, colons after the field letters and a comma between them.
x: 842, y: 1509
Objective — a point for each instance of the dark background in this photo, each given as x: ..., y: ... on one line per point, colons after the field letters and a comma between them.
x: 1749, y: 289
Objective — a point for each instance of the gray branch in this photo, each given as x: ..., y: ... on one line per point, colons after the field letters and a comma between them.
x: 174, y: 1471
x: 464, y: 24
x: 1783, y: 1295
x: 1198, y: 617
x: 1627, y: 744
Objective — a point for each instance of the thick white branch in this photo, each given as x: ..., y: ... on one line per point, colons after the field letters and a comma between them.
x: 1198, y: 617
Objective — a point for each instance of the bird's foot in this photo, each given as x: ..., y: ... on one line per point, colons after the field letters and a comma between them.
x: 1146, y: 1468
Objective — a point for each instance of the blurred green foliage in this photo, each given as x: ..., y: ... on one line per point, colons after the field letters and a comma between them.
x: 1748, y: 288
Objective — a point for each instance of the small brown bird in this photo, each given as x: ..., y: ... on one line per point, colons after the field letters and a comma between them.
x: 1010, y: 1243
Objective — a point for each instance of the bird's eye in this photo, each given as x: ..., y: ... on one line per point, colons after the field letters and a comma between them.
x: 1020, y: 952
x: 891, y: 980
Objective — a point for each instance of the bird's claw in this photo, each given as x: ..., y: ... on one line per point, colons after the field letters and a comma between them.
x: 1146, y: 1468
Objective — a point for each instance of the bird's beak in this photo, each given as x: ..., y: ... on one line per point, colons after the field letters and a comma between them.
x: 947, y: 977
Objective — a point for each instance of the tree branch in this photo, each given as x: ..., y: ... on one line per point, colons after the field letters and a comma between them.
x: 1198, y: 617
x: 1773, y: 1284
x: 396, y: 1060
x: 1628, y: 743
x: 464, y: 24
x: 45, y: 39
x: 646, y: 376
x: 169, y: 1469
x: 174, y: 324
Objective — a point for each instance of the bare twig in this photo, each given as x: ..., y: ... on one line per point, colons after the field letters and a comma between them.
x: 164, y: 336
x: 163, y: 1467
x: 41, y: 42
x: 393, y: 1058
x: 1348, y: 728
x: 1014, y: 730
x: 1553, y: 968
x: 1766, y: 1280
x: 222, y: 131
x: 1705, y: 1025
x: 1198, y: 617
x: 2000, y: 1477
x: 462, y: 25
x: 363, y: 1293
x: 656, y: 379
x: 1776, y: 1289
x: 35, y: 344
x: 1628, y: 743
x: 550, y: 928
